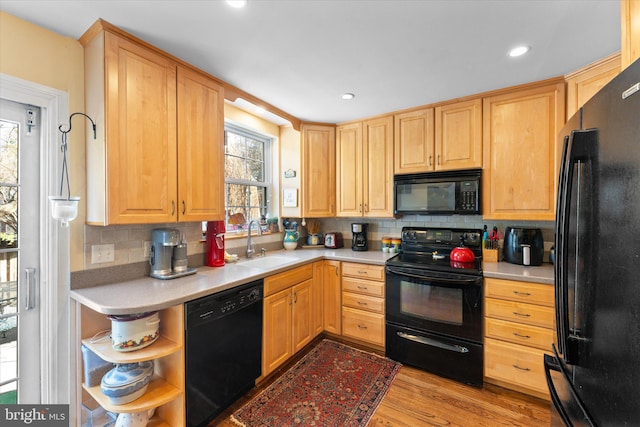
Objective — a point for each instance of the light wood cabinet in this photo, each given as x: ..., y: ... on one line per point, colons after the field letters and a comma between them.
x: 363, y: 303
x: 458, y: 135
x: 364, y: 168
x: 414, y: 142
x: 630, y: 31
x: 290, y: 316
x: 584, y: 83
x: 318, y: 198
x: 519, y: 330
x: 166, y: 389
x: 521, y: 152
x: 332, y: 301
x: 159, y: 131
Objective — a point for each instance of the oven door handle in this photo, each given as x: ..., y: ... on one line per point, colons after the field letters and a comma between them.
x: 433, y: 343
x: 426, y: 277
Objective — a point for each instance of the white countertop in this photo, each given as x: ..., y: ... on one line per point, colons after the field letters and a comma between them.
x: 149, y: 294
x: 505, y: 270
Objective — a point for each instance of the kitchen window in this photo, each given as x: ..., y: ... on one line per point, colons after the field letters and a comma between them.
x: 247, y: 163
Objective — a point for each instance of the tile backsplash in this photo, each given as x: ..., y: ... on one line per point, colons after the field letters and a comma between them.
x: 131, y: 242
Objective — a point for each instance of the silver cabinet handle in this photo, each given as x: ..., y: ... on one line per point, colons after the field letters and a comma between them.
x: 30, y: 275
x: 433, y: 343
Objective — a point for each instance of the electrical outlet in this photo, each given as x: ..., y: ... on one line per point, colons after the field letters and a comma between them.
x: 102, y: 253
x: 147, y: 249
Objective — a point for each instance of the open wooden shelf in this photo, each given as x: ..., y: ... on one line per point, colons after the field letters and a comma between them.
x: 160, y: 348
x: 158, y: 393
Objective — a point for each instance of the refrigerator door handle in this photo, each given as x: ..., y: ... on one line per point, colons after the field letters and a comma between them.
x: 551, y: 365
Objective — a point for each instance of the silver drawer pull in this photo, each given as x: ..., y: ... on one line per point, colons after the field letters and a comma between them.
x: 521, y: 314
x: 522, y: 294
x: 433, y: 343
x: 521, y: 369
x: 363, y: 327
x: 364, y: 288
x: 521, y: 336
x: 362, y: 303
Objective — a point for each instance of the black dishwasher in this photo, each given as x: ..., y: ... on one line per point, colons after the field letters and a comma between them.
x: 223, y: 347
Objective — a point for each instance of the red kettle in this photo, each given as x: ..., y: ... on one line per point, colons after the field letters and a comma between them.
x: 462, y: 253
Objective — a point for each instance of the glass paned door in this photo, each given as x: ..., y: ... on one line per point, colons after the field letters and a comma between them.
x: 19, y: 254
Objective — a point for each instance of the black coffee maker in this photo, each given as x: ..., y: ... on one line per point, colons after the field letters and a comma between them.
x: 359, y: 241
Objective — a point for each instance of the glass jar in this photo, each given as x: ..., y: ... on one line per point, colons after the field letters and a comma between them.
x: 386, y: 244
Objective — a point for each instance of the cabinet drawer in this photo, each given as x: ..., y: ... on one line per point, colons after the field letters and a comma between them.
x: 363, y: 325
x: 364, y: 271
x: 529, y: 314
x: 366, y: 287
x: 284, y: 280
x: 533, y: 293
x: 518, y: 333
x: 515, y: 364
x: 363, y: 302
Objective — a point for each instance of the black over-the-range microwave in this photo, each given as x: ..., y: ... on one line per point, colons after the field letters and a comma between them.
x: 438, y: 193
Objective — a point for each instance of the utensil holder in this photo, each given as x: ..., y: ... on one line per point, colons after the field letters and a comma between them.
x: 490, y: 255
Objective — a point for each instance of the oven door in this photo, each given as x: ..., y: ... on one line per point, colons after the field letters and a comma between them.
x: 443, y: 303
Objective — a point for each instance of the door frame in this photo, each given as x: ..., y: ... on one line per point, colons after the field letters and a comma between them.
x: 55, y: 354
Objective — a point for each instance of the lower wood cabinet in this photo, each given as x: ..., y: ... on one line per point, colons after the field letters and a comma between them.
x: 290, y: 316
x: 519, y: 330
x: 363, y: 302
x: 331, y: 297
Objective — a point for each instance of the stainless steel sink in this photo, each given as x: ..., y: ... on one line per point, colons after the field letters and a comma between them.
x: 269, y: 261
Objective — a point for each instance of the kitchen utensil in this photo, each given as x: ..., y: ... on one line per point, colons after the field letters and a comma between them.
x: 133, y: 332
x: 127, y: 382
x: 462, y: 253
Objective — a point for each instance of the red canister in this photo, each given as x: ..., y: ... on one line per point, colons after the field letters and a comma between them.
x: 215, y: 243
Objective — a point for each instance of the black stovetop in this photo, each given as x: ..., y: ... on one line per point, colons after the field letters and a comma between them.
x: 429, y: 249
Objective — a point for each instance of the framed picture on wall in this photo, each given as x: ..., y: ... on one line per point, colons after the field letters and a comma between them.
x: 290, y: 197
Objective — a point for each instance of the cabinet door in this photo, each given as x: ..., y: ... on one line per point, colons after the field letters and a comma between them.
x: 277, y: 344
x: 349, y: 169
x: 584, y: 83
x: 141, y: 134
x: 318, y: 171
x: 331, y: 296
x: 317, y: 324
x: 413, y: 142
x: 302, y: 315
x: 458, y: 140
x: 630, y: 49
x: 521, y: 153
x: 201, y: 147
x: 378, y: 167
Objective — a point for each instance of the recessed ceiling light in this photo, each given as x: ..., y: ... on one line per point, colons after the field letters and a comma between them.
x: 238, y: 4
x: 347, y: 96
x: 519, y: 51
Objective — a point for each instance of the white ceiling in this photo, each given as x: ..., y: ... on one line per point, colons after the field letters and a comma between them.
x: 301, y: 55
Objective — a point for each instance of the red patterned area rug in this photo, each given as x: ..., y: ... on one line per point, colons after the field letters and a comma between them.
x: 332, y: 385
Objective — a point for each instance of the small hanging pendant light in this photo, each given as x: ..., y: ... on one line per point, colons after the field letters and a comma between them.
x: 63, y: 208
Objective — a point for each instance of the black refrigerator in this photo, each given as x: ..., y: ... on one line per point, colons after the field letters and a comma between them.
x: 594, y: 378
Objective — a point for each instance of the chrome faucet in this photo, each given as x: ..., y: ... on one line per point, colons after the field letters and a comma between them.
x: 250, y: 248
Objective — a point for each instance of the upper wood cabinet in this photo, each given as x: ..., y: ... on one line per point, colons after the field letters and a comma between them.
x: 318, y: 171
x: 364, y: 168
x: 413, y: 143
x: 630, y: 31
x: 200, y: 147
x: 458, y: 138
x: 584, y: 83
x: 448, y: 137
x: 521, y: 152
x: 148, y: 109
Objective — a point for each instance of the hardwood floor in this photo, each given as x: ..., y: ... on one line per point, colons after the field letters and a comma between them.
x: 417, y: 398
